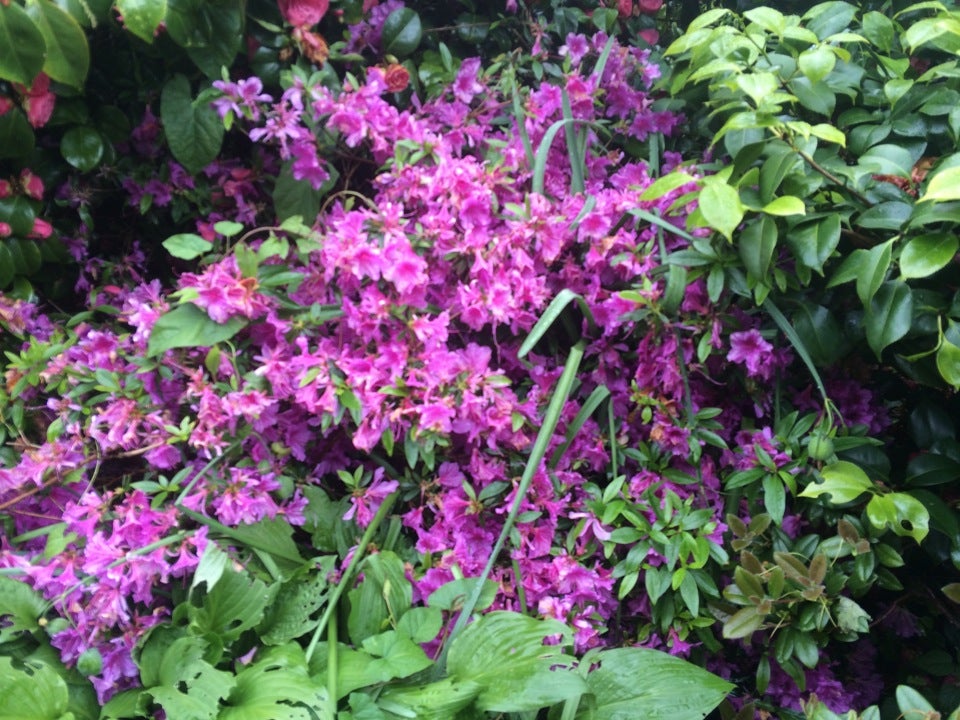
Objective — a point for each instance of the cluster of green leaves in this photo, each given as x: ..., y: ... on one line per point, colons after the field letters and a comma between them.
x: 909, y: 703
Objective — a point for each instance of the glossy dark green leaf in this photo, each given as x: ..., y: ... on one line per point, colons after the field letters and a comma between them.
x: 210, y: 31
x: 931, y: 469
x: 821, y: 334
x: 82, y: 147
x: 23, y: 45
x: 27, y: 258
x: 189, y: 326
x: 16, y: 135
x: 814, y: 241
x: 68, y: 55
x: 18, y: 212
x: 7, y: 271
x: 401, y: 33
x: 889, y: 316
x: 890, y: 215
x: 142, y: 17
x: 924, y: 255
x: 757, y: 245
x: 88, y: 13
x: 871, y: 270
x: 193, y: 128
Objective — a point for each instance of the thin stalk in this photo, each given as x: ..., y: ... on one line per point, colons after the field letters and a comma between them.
x: 550, y: 419
x: 330, y: 710
x: 348, y: 574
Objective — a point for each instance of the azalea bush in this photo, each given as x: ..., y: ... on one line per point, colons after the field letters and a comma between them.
x: 372, y: 367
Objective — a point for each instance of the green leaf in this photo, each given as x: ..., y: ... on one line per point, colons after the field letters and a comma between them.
x: 292, y: 614
x: 20, y: 606
x: 451, y: 596
x: 924, y: 255
x: 851, y: 617
x: 82, y: 147
x: 774, y: 497
x: 397, y: 656
x: 193, y: 128
x: 401, y: 32
x: 813, y: 242
x: 633, y: 683
x: 666, y: 184
x: 816, y: 63
x: 913, y: 705
x: 35, y: 692
x: 889, y: 315
x: 16, y: 135
x: 142, y: 17
x: 930, y: 468
x: 235, y: 604
x: 820, y: 333
x: 276, y: 687
x: 842, y: 480
x: 187, y: 246
x: 948, y: 361
x: 211, y: 32
x: 421, y: 624
x: 188, y: 687
x: 211, y: 567
x: 900, y: 512
x: 23, y: 45
x: 68, y: 56
x: 504, y: 653
x: 871, y: 270
x: 384, y: 593
x: 292, y: 197
x: 943, y: 186
x: 721, y: 207
x: 786, y: 205
x: 189, y: 326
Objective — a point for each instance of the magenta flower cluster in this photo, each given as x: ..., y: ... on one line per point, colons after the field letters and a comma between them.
x: 414, y: 378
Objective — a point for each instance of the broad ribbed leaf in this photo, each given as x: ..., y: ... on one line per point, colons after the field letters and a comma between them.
x: 68, y: 55
x: 636, y: 683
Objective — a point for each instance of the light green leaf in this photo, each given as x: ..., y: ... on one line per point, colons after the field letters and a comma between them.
x: 276, y: 687
x: 924, y: 255
x: 913, y: 705
x: 633, y: 683
x: 450, y: 596
x: 187, y: 246
x: 771, y: 20
x: 948, y: 361
x: 20, y: 606
x: 189, y: 688
x: 943, y: 186
x: 786, y: 205
x: 850, y: 616
x: 720, y: 206
x: 900, y: 512
x: 234, y: 605
x: 505, y: 654
x: 759, y: 86
x: 35, y: 692
x: 829, y: 133
x: 68, y: 56
x: 189, y: 326
x: 142, y: 17
x: 743, y: 623
x: 193, y: 128
x: 666, y: 184
x: 23, y: 45
x: 816, y: 63
x: 842, y: 480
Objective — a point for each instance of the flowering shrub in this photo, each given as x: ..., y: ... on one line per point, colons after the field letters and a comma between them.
x: 394, y: 346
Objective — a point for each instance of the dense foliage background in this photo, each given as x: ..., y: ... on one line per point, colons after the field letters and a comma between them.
x: 375, y: 360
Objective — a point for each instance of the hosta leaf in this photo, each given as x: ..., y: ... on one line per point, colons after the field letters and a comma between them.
x: 34, y: 692
x: 20, y: 608
x: 635, y: 683
x: 505, y: 654
x: 277, y: 686
x: 190, y: 688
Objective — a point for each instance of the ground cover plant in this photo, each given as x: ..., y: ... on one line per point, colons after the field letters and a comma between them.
x: 371, y: 360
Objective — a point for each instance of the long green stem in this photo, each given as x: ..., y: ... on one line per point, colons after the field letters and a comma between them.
x: 348, y: 574
x: 550, y: 419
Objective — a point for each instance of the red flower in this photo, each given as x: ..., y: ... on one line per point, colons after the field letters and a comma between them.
x: 41, y: 229
x: 301, y: 13
x: 650, y: 36
x: 38, y: 101
x: 6, y: 104
x: 32, y: 185
x: 397, y: 78
x: 625, y: 8
x: 649, y: 6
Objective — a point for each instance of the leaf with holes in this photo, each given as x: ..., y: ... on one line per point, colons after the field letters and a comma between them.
x: 843, y: 481
x: 900, y: 512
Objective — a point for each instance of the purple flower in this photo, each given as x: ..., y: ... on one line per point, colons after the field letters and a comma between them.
x: 752, y: 350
